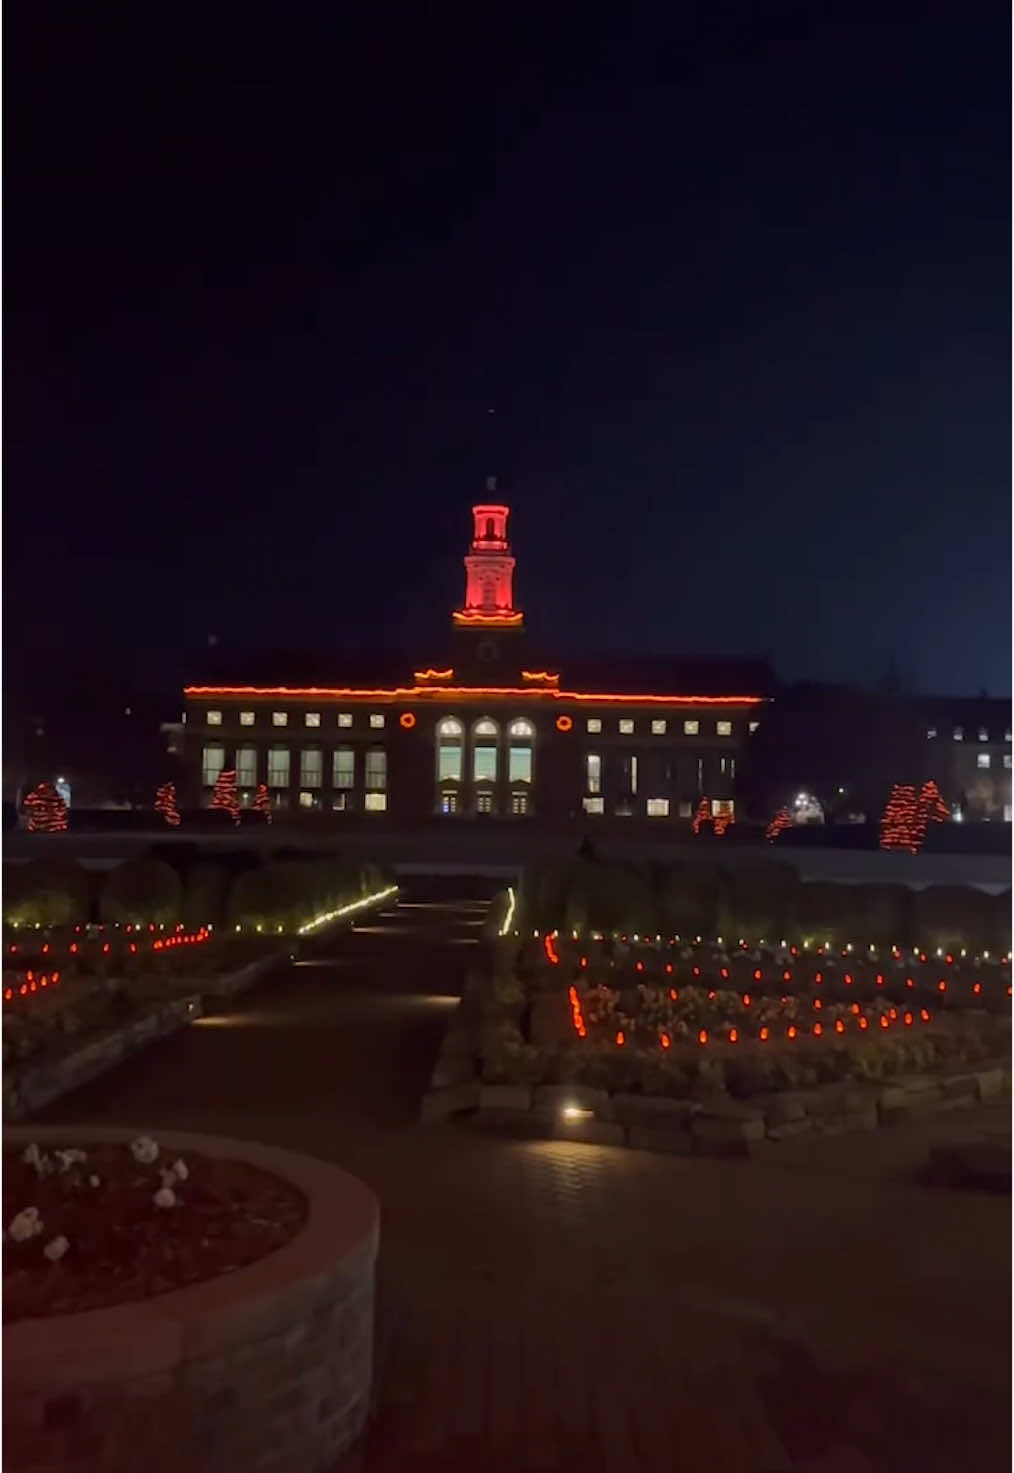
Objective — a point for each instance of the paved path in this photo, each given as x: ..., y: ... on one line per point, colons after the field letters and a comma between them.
x: 545, y: 1306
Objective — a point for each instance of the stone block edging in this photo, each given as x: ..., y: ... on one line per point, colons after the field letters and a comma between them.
x: 271, y: 1364
x: 37, y: 1085
x: 718, y: 1127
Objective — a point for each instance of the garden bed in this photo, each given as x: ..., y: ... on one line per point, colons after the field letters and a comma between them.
x: 127, y: 1227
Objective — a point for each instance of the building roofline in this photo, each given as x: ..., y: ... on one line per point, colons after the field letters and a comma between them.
x: 459, y: 692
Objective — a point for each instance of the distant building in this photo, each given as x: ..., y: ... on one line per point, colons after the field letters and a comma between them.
x: 489, y: 729
x: 968, y: 748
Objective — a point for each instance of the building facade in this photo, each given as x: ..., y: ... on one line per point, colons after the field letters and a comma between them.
x: 488, y: 731
x: 968, y: 743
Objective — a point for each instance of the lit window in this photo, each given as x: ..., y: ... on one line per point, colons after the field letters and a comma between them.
x: 450, y: 748
x: 982, y: 761
x: 311, y: 767
x: 278, y: 767
x: 519, y: 803
x: 931, y: 732
x: 246, y: 766
x: 593, y: 770
x: 485, y: 727
x: 727, y: 766
x: 484, y: 803
x: 376, y: 770
x: 484, y: 765
x: 1006, y: 735
x: 593, y: 724
x: 659, y: 728
x: 519, y: 764
x: 183, y: 718
x: 340, y: 802
x: 626, y: 725
x: 448, y: 803
x: 658, y: 807
x: 959, y: 733
x: 1006, y: 813
x: 375, y: 802
x: 1006, y: 760
x: 722, y: 808
x: 723, y: 728
x: 983, y: 734
x: 691, y: 728
x: 594, y: 805
x: 312, y: 718
x: 630, y: 774
x: 752, y: 726
x: 522, y: 728
x: 344, y: 718
x: 279, y: 718
x: 212, y: 762
x: 214, y: 718
x: 686, y: 810
x: 246, y: 718
x: 343, y: 767
x: 309, y: 800
x: 376, y: 720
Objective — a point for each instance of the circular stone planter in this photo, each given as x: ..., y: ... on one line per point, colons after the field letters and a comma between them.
x: 266, y: 1369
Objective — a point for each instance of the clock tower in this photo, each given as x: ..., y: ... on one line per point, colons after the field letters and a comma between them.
x: 487, y: 626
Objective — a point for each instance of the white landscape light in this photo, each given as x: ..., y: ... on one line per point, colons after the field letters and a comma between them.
x: 508, y: 919
x: 575, y: 1112
x: 346, y: 910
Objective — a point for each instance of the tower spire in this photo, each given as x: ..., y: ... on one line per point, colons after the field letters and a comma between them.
x: 489, y: 570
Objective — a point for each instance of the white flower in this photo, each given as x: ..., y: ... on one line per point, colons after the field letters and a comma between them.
x: 26, y: 1225
x: 165, y: 1197
x: 93, y: 1181
x: 68, y: 1158
x: 144, y: 1149
x: 180, y: 1168
x: 56, y: 1248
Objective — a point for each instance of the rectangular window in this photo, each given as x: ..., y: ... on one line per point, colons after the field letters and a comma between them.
x: 484, y: 803
x: 593, y: 724
x: 212, y: 762
x: 723, y: 808
x: 931, y: 732
x: 594, y: 805
x: 340, y: 802
x: 343, y: 768
x: 1006, y: 735
x: 723, y: 728
x: 449, y: 803
x: 278, y: 767
x: 727, y: 766
x: 626, y: 725
x: 752, y: 726
x: 214, y: 718
x: 449, y: 762
x: 983, y: 734
x: 311, y: 718
x: 593, y: 774
x: 1006, y: 813
x: 1006, y: 760
x: 311, y: 767
x: 246, y: 718
x: 686, y: 810
x: 982, y: 761
x: 629, y: 770
x: 959, y: 733
x: 279, y: 718
x: 376, y: 770
x: 658, y: 807
x: 375, y: 802
x: 519, y: 765
x: 484, y: 765
x: 344, y: 718
x: 246, y: 767
x: 519, y: 803
x: 309, y: 800
x: 659, y: 728
x: 376, y: 721
x: 691, y: 728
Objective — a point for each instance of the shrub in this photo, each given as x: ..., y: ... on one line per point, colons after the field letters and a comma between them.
x: 204, y: 895
x: 880, y: 915
x: 759, y: 900
x: 608, y: 897
x: 47, y: 892
x: 689, y: 899
x: 824, y: 913
x: 288, y: 893
x: 952, y: 916
x: 999, y: 930
x: 142, y: 890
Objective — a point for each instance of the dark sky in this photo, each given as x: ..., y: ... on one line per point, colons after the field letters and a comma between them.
x: 734, y: 279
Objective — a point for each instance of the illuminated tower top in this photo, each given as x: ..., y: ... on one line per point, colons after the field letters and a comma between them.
x: 489, y: 571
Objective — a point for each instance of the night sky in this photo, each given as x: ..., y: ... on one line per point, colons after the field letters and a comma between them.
x: 734, y: 280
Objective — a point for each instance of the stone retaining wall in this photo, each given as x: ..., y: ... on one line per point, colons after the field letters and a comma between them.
x: 39, y: 1084
x: 265, y: 1370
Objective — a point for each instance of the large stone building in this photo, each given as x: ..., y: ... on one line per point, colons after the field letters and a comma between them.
x: 968, y: 750
x: 491, y: 729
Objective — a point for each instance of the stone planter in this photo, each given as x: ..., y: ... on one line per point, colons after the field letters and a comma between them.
x: 267, y: 1369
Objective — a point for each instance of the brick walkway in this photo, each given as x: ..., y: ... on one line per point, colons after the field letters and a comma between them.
x: 545, y: 1306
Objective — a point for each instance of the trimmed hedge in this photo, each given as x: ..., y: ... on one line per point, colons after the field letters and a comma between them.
x: 47, y: 892
x: 205, y: 892
x: 142, y: 890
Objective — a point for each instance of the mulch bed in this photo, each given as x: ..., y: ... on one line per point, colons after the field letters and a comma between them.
x: 122, y: 1247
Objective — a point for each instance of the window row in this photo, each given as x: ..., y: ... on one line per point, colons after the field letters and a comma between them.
x: 485, y: 751
x: 311, y: 767
x: 628, y: 772
x: 281, y: 718
x: 958, y: 733
x: 984, y: 761
x: 660, y: 726
x: 661, y: 807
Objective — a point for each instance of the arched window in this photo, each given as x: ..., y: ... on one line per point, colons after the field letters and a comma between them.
x: 450, y: 749
x: 486, y: 735
x: 519, y: 754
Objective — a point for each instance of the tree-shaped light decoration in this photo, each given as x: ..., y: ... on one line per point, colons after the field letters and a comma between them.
x: 47, y: 812
x: 225, y: 796
x: 702, y: 815
x: 722, y: 822
x: 930, y: 808
x: 262, y: 802
x: 781, y: 820
x: 165, y: 803
x: 899, y: 822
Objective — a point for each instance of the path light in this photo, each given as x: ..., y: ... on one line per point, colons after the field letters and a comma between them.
x: 575, y: 1112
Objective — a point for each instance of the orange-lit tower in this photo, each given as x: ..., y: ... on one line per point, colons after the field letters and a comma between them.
x: 489, y: 572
